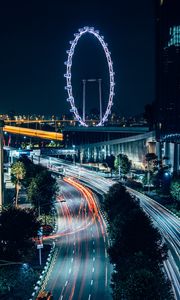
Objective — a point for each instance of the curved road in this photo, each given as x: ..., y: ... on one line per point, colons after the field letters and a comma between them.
x: 167, y: 223
x: 81, y: 269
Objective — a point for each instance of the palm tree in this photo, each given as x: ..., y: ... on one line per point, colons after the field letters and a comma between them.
x: 18, y: 172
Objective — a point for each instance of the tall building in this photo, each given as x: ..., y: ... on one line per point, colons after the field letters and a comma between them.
x: 168, y: 69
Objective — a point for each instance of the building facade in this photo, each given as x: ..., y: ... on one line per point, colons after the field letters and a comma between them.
x: 168, y: 69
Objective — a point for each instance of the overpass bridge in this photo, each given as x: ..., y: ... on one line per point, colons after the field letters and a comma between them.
x: 88, y: 135
x: 135, y: 147
x: 49, y: 135
x: 55, y: 122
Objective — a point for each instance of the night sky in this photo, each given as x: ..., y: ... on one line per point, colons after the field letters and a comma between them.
x: 34, y: 37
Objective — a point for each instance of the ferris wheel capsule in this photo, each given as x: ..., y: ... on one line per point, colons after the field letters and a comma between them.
x: 67, y: 75
x: 70, y: 99
x: 68, y: 87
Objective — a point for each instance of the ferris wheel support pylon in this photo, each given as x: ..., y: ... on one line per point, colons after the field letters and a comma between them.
x: 84, y: 100
x: 68, y: 87
x: 100, y: 99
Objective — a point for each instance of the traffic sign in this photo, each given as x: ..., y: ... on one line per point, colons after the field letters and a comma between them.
x: 39, y: 246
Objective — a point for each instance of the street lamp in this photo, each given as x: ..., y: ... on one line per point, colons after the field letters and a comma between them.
x: 103, y: 151
x: 74, y: 162
x: 119, y: 168
x: 148, y: 180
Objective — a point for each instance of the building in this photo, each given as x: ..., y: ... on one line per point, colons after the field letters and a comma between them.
x: 168, y: 69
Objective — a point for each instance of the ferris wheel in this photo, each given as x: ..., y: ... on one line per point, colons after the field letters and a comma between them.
x: 68, y: 87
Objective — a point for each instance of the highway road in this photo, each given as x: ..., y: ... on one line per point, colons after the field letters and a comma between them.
x: 81, y: 269
x: 167, y: 223
x: 169, y: 227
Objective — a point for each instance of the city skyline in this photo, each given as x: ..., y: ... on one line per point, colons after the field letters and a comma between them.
x: 35, y: 39
x: 90, y: 150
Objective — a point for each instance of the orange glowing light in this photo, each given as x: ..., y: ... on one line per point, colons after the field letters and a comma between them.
x: 34, y: 133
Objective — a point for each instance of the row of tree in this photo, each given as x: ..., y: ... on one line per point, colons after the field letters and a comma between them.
x: 120, y: 164
x: 18, y: 227
x: 137, y: 251
x: 40, y: 185
x: 157, y: 173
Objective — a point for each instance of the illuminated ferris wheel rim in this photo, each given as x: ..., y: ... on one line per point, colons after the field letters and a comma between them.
x: 68, y: 64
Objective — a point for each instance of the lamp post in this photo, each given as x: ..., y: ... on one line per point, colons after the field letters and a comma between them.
x: 100, y: 100
x: 74, y: 161
x: 119, y: 169
x: 40, y: 243
x: 84, y: 100
x: 81, y: 157
x: 148, y: 180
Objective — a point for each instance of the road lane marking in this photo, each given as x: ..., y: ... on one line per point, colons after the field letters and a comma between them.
x: 91, y: 281
x: 70, y: 270
x: 93, y: 270
x: 66, y: 283
x: 93, y: 242
x: 73, y: 251
x: 72, y: 259
x: 93, y: 250
x: 93, y: 258
x: 106, y: 277
x: 89, y: 298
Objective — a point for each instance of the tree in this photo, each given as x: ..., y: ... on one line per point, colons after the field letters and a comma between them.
x: 31, y: 170
x: 42, y: 190
x: 17, y: 175
x: 118, y: 202
x: 110, y: 161
x: 17, y: 228
x: 136, y: 249
x: 151, y: 159
x: 123, y: 163
x: 142, y: 284
x: 175, y: 189
x: 161, y: 179
x: 16, y: 281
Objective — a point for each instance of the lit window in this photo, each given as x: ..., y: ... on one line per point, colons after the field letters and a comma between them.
x: 174, y: 36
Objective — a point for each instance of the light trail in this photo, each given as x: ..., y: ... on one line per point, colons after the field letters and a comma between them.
x: 81, y: 247
x: 162, y: 218
x: 49, y: 135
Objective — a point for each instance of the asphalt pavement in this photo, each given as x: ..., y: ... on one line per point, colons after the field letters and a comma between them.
x: 164, y: 220
x: 81, y: 270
